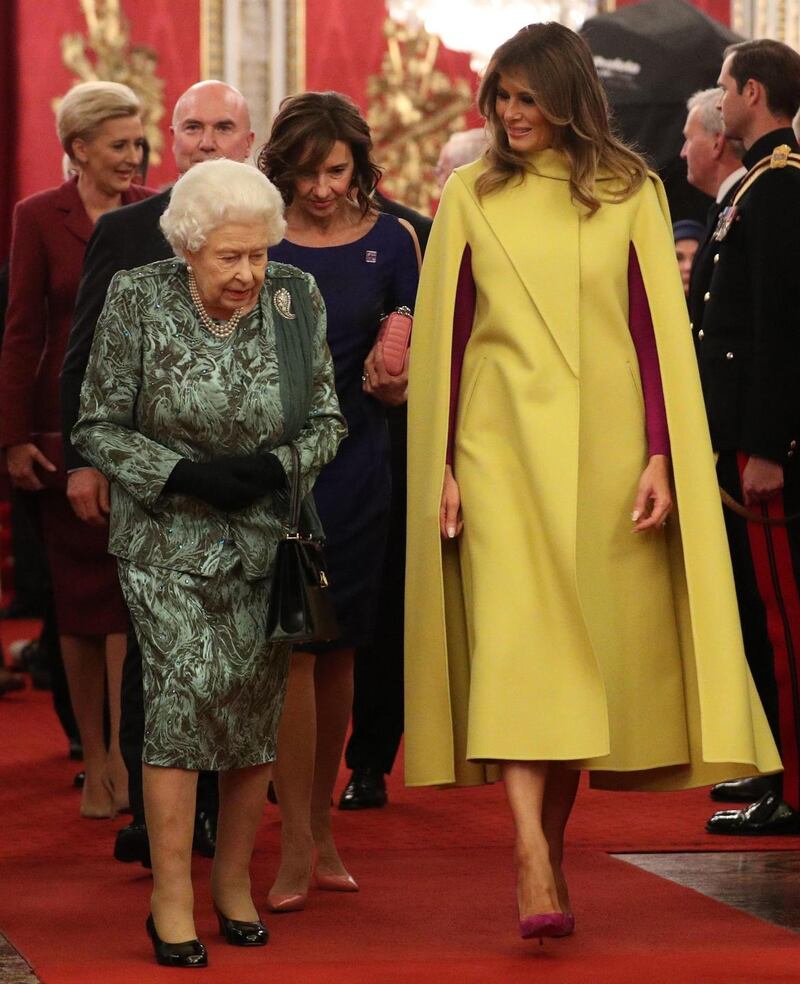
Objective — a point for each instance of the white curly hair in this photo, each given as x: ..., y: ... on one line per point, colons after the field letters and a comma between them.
x: 215, y: 192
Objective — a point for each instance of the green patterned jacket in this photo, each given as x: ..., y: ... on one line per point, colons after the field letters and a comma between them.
x: 159, y: 387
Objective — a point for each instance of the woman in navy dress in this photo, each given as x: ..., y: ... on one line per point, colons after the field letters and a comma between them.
x: 366, y: 264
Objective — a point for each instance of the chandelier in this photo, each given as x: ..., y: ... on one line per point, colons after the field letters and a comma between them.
x: 480, y: 26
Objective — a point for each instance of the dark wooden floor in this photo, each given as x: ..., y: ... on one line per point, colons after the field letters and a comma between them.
x: 13, y: 968
x: 764, y: 883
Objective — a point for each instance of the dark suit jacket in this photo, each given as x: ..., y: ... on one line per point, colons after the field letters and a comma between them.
x: 747, y: 324
x: 704, y: 262
x: 49, y: 238
x: 420, y: 223
x: 122, y: 240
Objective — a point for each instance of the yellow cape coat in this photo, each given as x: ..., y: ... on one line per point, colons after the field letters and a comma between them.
x: 549, y: 631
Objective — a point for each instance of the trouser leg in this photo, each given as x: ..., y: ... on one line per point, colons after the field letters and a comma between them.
x: 131, y: 729
x: 770, y: 616
x: 378, y: 670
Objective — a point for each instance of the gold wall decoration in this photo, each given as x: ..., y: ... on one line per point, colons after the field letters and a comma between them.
x: 106, y: 54
x: 413, y: 108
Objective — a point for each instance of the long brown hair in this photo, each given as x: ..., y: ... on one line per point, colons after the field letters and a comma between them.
x: 557, y: 66
x: 303, y: 134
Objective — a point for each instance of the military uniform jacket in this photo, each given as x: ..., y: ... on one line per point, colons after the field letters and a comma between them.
x: 159, y: 387
x: 707, y: 255
x: 747, y: 324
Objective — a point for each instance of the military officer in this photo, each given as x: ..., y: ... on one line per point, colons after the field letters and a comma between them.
x: 747, y: 333
x: 713, y: 166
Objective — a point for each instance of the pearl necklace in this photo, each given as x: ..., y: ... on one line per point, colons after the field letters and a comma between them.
x: 227, y: 328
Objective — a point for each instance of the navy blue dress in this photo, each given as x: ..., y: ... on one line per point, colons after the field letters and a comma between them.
x: 359, y: 282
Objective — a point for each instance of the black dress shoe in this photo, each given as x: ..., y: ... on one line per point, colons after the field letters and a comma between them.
x: 239, y: 933
x: 205, y: 834
x: 366, y: 790
x: 745, y: 790
x: 79, y: 780
x: 133, y: 844
x: 192, y: 953
x: 767, y: 816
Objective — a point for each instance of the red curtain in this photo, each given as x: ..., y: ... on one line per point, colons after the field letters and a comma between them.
x: 718, y: 9
x: 8, y: 119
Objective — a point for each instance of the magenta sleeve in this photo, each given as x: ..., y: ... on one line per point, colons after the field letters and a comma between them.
x: 463, y: 316
x: 640, y: 323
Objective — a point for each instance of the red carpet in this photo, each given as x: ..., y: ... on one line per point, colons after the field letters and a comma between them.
x: 436, y: 902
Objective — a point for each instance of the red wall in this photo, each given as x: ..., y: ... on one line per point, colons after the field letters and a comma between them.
x: 172, y: 27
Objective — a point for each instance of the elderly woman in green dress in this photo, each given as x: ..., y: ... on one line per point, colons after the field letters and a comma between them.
x: 204, y: 369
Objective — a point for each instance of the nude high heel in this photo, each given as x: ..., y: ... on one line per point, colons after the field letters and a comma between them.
x: 287, y: 903
x: 334, y: 883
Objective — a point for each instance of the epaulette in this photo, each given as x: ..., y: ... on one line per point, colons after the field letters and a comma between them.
x: 782, y: 156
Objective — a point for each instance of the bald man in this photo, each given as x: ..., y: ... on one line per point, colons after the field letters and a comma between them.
x: 210, y: 120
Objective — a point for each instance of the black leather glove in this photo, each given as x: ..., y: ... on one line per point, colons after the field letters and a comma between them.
x: 227, y: 483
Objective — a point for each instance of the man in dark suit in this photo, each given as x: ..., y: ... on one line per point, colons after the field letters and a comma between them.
x: 378, y: 668
x: 210, y: 120
x: 713, y: 166
x: 747, y: 336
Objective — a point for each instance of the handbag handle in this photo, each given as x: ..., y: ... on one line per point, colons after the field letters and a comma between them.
x: 294, y: 490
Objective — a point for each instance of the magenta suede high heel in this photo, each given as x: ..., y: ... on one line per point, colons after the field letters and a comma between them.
x: 569, y: 925
x: 548, y: 924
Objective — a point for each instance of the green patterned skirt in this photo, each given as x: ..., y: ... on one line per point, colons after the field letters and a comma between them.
x: 213, y: 685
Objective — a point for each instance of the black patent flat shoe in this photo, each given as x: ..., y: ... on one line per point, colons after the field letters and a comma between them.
x: 242, y: 933
x: 192, y: 953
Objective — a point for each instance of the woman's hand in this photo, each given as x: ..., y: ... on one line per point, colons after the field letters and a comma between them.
x: 20, y: 459
x: 654, y: 498
x: 390, y: 390
x: 450, y: 522
x: 87, y: 491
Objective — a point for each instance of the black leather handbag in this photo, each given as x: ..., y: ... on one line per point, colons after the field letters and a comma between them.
x: 300, y: 608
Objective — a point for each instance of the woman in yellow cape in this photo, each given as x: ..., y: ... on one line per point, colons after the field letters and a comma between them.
x: 548, y: 632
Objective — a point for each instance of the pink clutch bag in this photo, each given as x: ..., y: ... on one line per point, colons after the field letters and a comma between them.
x: 394, y: 337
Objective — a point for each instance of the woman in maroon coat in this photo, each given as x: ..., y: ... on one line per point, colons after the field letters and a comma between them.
x: 100, y: 129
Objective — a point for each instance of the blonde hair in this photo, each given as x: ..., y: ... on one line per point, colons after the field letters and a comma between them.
x: 215, y: 192
x: 557, y: 66
x: 86, y: 106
